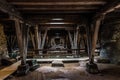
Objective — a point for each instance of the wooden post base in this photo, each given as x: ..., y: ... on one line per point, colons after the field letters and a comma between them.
x: 22, y: 70
x: 92, y: 68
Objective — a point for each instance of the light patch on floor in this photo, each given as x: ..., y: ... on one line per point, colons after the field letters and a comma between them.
x: 72, y: 71
x: 56, y: 73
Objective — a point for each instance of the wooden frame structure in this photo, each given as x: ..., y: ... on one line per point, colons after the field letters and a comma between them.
x: 22, y: 34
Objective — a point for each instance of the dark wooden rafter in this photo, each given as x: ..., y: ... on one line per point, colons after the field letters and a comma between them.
x: 60, y: 3
x: 66, y: 27
x: 46, y: 19
x: 108, y: 8
x: 60, y: 8
x: 7, y: 8
x: 57, y: 0
x: 56, y: 6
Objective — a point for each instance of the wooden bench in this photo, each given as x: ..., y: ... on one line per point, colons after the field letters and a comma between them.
x: 57, y: 63
x: 5, y: 72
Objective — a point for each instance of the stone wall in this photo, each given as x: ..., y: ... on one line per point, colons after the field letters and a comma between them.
x: 110, y: 40
x: 3, y: 42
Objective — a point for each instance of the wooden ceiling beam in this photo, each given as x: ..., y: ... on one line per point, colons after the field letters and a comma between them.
x: 56, y: 11
x: 67, y: 27
x: 53, y: 0
x: 60, y: 3
x: 56, y: 8
x: 55, y: 21
x: 59, y: 6
x: 48, y: 16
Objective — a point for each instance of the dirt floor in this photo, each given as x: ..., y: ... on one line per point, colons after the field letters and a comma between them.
x: 72, y: 71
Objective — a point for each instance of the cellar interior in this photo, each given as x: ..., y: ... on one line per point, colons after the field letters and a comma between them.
x: 59, y: 39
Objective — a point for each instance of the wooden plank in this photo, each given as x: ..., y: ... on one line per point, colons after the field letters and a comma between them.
x: 4, y: 73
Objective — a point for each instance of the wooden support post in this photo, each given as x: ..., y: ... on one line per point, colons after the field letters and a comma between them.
x: 85, y: 42
x: 37, y: 39
x: 43, y: 40
x: 76, y: 38
x: 94, y: 39
x: 9, y: 47
x: 33, y: 40
x: 25, y: 34
x: 74, y: 41
x: 70, y: 37
x: 88, y: 41
x: 22, y: 38
x: 40, y: 39
x: 19, y: 36
x: 13, y: 41
x: 91, y: 66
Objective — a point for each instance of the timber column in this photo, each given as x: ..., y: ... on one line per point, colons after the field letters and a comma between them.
x: 37, y: 41
x: 74, y: 41
x: 22, y: 38
x: 91, y: 66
